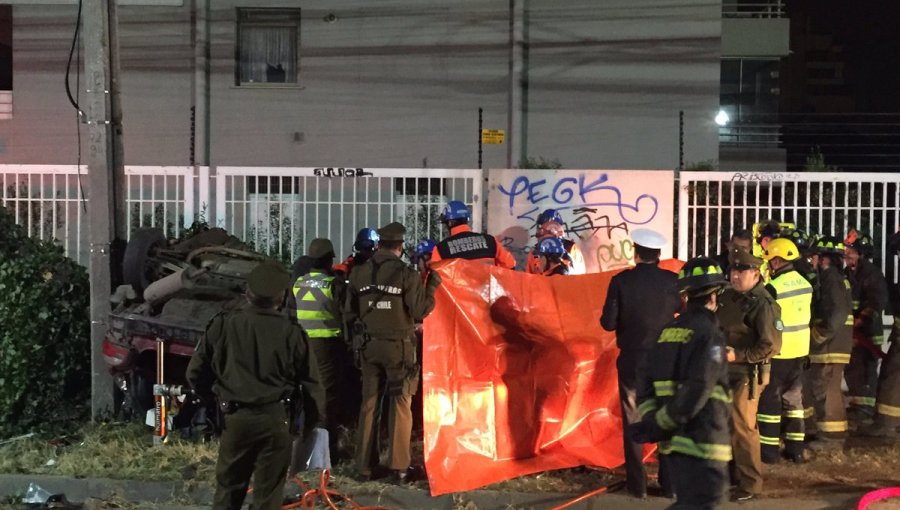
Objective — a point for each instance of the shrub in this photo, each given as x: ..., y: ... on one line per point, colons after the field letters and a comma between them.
x: 45, y: 338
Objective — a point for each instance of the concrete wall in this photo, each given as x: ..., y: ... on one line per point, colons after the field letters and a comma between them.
x: 395, y: 83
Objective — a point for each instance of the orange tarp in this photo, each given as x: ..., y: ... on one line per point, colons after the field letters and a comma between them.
x: 518, y: 376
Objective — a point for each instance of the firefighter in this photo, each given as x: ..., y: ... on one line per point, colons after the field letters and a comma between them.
x: 318, y: 299
x: 831, y: 341
x: 363, y: 249
x: 465, y: 244
x: 803, y: 264
x: 421, y: 256
x: 781, y: 403
x: 549, y: 253
x: 870, y: 296
x: 752, y: 322
x: 550, y: 224
x: 387, y: 297
x: 639, y: 303
x: 685, y: 397
x: 887, y: 404
x: 251, y: 359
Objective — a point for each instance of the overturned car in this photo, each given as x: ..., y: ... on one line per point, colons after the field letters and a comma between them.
x: 172, y: 288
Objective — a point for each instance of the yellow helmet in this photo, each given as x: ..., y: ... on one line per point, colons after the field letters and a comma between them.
x: 781, y: 247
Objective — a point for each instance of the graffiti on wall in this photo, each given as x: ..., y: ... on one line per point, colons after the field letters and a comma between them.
x: 599, y: 209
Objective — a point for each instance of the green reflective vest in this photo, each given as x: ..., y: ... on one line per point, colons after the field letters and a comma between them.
x: 794, y: 295
x: 314, y: 294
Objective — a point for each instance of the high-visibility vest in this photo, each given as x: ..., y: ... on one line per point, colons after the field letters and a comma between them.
x: 313, y: 292
x: 794, y: 294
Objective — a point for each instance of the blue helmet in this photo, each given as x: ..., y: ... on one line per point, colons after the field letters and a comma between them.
x: 455, y: 210
x: 366, y: 240
x: 423, y: 250
x: 550, y: 246
x: 549, y: 215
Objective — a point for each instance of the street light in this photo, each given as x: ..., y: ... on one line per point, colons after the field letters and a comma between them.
x: 722, y: 118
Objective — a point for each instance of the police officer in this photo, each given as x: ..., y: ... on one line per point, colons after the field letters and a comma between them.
x: 751, y: 320
x: 465, y: 244
x: 870, y: 297
x: 781, y: 403
x: 887, y: 404
x: 685, y: 398
x: 388, y: 297
x: 831, y: 341
x: 740, y: 238
x: 550, y: 225
x: 363, y: 249
x: 318, y: 300
x: 639, y: 302
x: 251, y: 360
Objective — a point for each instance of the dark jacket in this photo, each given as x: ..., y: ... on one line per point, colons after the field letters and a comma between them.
x: 752, y: 323
x: 831, y: 331
x: 390, y: 301
x: 255, y: 357
x: 870, y: 298
x: 686, y: 387
x: 639, y: 303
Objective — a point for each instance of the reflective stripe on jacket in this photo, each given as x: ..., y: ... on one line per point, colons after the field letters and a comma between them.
x: 794, y: 295
x: 314, y: 294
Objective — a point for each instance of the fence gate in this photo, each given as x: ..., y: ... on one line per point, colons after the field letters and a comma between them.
x: 280, y: 210
x: 713, y: 204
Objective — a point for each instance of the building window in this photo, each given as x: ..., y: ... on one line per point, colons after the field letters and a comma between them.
x: 749, y: 87
x: 268, y: 47
x: 6, y: 68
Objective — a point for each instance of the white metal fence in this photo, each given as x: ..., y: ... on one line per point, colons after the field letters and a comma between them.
x: 47, y: 200
x: 279, y: 210
x: 714, y: 204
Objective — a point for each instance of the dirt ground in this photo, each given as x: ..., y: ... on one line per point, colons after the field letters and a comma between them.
x: 124, y: 451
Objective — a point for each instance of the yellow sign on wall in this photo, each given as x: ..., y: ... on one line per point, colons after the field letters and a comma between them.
x: 492, y: 136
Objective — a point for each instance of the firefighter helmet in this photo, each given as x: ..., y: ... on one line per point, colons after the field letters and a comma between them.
x: 549, y: 215
x: 800, y: 238
x: 830, y: 245
x: 700, y: 276
x: 860, y: 242
x: 550, y: 246
x: 455, y: 210
x: 366, y: 239
x: 781, y: 247
x: 423, y: 250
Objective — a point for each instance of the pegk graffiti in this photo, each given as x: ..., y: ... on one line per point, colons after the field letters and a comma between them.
x: 599, y: 209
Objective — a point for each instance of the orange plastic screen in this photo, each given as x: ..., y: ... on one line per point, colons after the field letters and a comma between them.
x: 519, y: 377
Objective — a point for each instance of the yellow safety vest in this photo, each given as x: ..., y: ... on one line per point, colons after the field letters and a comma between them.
x: 312, y: 293
x: 794, y: 294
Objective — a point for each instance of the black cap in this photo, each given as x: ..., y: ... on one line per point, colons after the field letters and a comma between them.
x: 392, y: 232
x: 268, y: 280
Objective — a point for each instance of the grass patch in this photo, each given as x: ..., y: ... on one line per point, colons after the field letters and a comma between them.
x: 110, y: 450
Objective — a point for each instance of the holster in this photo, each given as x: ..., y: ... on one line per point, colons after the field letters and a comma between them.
x: 359, y: 337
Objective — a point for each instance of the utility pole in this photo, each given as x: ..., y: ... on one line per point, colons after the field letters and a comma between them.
x: 105, y: 156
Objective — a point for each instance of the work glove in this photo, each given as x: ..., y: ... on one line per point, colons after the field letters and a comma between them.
x: 434, y: 280
x: 647, y: 431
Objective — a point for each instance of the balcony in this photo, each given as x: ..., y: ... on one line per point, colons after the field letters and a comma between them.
x: 759, y: 30
x: 751, y: 147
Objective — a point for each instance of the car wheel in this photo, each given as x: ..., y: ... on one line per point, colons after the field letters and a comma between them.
x: 139, y: 267
x: 141, y: 392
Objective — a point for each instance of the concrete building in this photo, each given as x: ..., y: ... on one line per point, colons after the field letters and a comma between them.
x: 382, y: 84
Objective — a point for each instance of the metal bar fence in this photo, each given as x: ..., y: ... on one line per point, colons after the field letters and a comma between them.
x: 819, y: 202
x: 46, y: 200
x: 280, y: 210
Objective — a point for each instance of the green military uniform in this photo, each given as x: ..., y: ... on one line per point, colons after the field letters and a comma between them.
x: 752, y: 326
x: 388, y: 297
x: 251, y: 360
